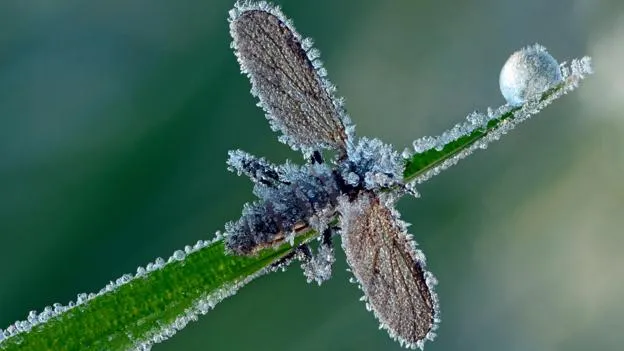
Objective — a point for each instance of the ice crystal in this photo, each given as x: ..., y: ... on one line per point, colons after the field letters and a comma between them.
x: 372, y: 164
x: 318, y: 268
x: 257, y: 169
x: 179, y: 255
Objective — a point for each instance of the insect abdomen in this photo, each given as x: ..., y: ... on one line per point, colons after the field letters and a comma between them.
x: 284, y: 210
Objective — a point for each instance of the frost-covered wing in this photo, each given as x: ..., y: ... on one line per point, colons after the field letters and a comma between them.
x: 389, y: 269
x: 287, y: 78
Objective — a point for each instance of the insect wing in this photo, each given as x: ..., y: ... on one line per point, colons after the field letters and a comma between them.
x: 287, y: 79
x: 389, y: 269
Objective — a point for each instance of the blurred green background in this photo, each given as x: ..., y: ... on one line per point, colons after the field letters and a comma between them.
x: 116, y: 116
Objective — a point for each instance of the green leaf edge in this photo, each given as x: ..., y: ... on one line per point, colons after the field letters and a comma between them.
x: 420, y: 163
x: 139, y: 308
x: 135, y: 311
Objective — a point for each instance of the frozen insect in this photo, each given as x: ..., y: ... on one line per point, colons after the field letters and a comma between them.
x: 353, y: 194
x: 358, y: 187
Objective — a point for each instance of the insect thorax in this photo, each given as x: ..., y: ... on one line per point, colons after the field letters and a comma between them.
x: 293, y: 199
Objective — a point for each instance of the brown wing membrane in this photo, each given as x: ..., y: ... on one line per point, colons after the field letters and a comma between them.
x: 390, y: 270
x: 291, y: 91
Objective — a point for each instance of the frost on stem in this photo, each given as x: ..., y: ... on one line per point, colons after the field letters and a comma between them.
x: 201, y: 306
x: 49, y: 313
x: 480, y: 129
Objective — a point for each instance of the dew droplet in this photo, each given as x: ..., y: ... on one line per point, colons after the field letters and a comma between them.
x: 528, y: 73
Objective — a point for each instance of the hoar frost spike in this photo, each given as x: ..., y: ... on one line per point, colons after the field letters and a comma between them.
x: 359, y: 186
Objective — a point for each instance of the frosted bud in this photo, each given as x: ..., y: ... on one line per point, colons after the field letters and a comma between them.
x: 528, y: 73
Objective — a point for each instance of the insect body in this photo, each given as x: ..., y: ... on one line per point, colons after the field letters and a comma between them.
x: 294, y: 198
x: 358, y: 187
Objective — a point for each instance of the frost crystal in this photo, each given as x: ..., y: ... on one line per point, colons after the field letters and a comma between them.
x: 528, y: 73
x: 179, y: 255
x: 319, y: 267
x: 257, y: 169
x: 50, y: 312
x: 373, y: 164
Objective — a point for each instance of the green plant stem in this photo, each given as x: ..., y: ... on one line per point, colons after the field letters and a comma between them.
x: 115, y: 320
x: 420, y: 163
x: 137, y: 311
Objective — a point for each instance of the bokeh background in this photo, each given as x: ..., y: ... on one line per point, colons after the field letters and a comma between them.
x: 116, y: 116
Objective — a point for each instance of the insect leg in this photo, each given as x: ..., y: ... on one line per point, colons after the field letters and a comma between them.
x: 318, y: 267
x: 257, y: 169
